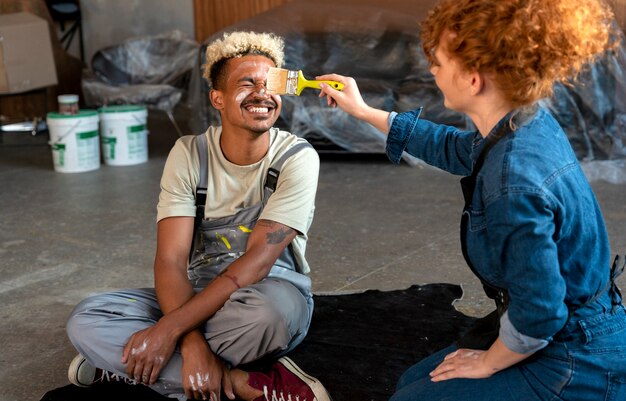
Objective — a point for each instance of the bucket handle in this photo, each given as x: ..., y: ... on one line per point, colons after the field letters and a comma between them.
x: 65, y: 134
x: 138, y: 119
x: 141, y: 122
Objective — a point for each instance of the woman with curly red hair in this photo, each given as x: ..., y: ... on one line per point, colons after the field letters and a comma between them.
x: 531, y: 229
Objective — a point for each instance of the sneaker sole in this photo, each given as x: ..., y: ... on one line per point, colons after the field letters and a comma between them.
x: 72, y: 371
x: 320, y: 392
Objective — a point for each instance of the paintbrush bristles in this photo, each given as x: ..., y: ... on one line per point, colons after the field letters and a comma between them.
x: 278, y: 81
x: 286, y: 82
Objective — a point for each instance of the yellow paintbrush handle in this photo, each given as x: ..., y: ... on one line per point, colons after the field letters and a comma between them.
x: 334, y: 84
x: 306, y: 83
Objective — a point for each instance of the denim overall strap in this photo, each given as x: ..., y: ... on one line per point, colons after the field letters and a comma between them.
x: 485, y: 330
x: 591, y: 326
x: 468, y: 185
x: 610, y: 287
x: 616, y: 271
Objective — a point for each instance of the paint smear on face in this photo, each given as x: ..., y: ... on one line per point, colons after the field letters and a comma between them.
x: 239, y: 98
x: 252, y: 65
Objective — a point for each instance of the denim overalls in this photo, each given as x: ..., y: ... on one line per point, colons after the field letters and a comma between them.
x: 584, y: 360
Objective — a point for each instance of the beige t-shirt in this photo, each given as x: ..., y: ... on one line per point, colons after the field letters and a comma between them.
x: 231, y: 187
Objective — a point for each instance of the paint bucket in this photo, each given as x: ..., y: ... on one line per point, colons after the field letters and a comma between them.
x: 124, y: 134
x: 74, y: 140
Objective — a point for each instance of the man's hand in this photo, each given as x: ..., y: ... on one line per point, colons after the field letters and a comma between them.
x: 204, y: 374
x: 146, y: 352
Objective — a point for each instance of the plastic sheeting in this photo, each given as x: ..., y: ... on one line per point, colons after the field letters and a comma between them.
x: 380, y: 48
x: 151, y: 70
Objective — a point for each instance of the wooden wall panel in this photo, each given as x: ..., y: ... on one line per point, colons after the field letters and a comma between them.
x: 28, y: 105
x: 619, y: 8
x: 210, y: 16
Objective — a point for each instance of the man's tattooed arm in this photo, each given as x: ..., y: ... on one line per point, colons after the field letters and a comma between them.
x: 277, y: 233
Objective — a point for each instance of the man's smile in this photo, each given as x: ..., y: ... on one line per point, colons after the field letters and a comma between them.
x: 259, y: 107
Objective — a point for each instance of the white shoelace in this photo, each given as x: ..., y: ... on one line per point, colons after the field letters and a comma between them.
x: 276, y: 397
x: 111, y: 377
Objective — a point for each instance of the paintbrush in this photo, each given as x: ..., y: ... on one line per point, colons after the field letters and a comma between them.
x: 284, y: 82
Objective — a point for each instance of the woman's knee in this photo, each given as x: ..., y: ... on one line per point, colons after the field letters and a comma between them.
x: 422, y: 369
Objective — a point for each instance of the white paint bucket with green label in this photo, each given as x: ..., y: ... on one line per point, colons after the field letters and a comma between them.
x: 75, y: 141
x: 124, y: 134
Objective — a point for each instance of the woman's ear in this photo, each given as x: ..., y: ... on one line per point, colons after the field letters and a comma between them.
x: 477, y: 83
x: 217, y: 100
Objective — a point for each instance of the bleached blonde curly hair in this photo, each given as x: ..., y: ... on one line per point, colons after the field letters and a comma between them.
x: 238, y: 44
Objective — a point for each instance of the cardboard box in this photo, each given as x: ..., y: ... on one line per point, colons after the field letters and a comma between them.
x: 26, y: 59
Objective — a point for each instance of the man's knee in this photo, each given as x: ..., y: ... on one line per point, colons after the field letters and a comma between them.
x: 81, y: 319
x: 258, y: 312
x: 96, y: 313
x: 254, y: 323
x: 269, y: 305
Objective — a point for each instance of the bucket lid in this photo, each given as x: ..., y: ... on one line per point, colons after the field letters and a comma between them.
x: 67, y: 98
x: 80, y: 114
x: 123, y: 108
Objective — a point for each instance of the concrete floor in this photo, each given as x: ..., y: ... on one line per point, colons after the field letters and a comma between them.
x: 64, y: 236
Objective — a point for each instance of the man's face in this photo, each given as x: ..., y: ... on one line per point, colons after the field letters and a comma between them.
x: 242, y: 99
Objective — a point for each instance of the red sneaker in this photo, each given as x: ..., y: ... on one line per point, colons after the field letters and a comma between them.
x: 285, y: 381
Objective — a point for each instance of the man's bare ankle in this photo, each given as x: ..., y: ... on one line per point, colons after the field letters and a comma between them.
x: 241, y: 388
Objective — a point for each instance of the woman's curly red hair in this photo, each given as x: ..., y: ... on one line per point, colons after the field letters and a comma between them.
x: 526, y: 45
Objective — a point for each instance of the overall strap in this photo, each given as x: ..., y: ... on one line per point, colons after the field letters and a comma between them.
x: 617, y: 268
x: 468, y: 185
x: 619, y: 263
x: 201, y: 187
x: 271, y: 179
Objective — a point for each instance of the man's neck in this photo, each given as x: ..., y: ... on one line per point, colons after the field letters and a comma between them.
x: 244, y: 148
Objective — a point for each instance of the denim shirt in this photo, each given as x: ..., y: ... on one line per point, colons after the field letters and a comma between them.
x: 535, y: 226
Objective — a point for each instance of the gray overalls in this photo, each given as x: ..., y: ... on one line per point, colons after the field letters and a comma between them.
x: 268, y: 317
x: 219, y: 242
